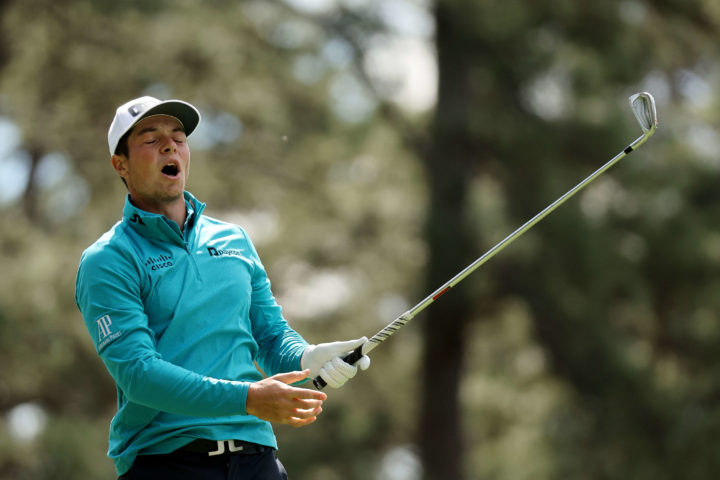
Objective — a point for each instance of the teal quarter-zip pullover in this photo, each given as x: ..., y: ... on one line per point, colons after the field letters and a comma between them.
x: 179, y: 318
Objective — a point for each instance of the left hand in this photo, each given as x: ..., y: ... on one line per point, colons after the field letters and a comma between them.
x: 275, y: 400
x: 326, y: 361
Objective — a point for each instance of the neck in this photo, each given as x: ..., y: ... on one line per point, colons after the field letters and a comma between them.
x: 174, y: 210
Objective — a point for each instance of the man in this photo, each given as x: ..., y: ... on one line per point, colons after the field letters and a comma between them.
x: 180, y: 310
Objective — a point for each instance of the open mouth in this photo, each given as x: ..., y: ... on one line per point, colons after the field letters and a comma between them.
x: 171, y: 170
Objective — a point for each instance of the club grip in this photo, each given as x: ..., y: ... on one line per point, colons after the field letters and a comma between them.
x: 351, y: 359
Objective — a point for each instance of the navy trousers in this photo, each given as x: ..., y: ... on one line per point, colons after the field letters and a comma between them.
x: 182, y: 465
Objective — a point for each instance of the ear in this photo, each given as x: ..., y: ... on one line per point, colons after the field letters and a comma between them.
x: 120, y: 164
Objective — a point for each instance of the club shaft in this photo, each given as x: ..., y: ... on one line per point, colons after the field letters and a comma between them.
x: 403, y: 319
x: 400, y: 321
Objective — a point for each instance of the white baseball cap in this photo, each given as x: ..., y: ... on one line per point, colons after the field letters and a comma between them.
x: 135, y: 110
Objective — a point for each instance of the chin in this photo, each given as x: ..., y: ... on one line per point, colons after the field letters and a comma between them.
x: 176, y: 195
x: 177, y: 190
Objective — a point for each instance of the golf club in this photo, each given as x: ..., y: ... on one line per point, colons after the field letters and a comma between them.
x: 643, y: 106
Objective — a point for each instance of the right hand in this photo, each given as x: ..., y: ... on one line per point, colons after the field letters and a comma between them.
x: 326, y: 360
x: 274, y: 400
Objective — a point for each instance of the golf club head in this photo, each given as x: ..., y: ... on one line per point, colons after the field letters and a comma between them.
x: 643, y: 106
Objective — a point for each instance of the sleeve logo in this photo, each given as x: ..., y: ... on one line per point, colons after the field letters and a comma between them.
x: 105, y: 333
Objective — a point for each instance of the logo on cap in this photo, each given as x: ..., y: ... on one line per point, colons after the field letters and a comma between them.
x: 138, y: 108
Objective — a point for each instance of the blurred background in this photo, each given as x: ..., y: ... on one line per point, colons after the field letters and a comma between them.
x: 374, y: 148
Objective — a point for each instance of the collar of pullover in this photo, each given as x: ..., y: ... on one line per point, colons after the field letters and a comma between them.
x: 159, y: 227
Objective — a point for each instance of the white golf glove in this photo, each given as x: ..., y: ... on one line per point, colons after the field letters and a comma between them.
x: 325, y: 360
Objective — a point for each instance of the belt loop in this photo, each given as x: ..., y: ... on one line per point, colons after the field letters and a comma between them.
x: 220, y: 450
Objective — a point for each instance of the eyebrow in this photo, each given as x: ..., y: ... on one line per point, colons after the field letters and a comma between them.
x: 154, y: 129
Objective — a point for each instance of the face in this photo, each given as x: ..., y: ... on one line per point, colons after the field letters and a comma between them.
x: 158, y: 163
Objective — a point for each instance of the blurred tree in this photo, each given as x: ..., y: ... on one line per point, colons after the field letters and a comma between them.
x: 513, y: 77
x: 4, y: 54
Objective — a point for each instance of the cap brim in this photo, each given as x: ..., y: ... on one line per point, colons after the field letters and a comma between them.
x: 183, y: 111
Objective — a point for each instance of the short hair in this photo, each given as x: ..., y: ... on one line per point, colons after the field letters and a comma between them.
x: 122, y: 145
x: 123, y: 149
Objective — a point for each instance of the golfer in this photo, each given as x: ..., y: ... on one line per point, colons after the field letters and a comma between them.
x: 180, y: 310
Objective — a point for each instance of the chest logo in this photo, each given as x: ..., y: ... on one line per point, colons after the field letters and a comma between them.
x: 233, y: 252
x: 159, y: 262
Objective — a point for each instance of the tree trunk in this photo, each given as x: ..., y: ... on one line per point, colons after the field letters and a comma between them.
x: 450, y: 249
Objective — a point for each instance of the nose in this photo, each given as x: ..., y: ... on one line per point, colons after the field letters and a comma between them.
x: 169, y: 146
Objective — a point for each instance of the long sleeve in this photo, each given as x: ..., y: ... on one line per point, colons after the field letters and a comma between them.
x: 280, y: 347
x: 108, y: 293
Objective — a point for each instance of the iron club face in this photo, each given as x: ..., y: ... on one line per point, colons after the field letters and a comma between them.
x: 643, y: 106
